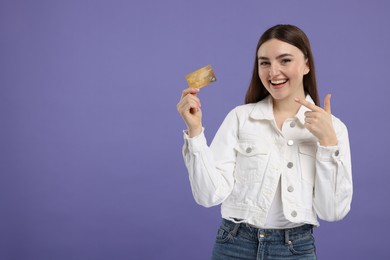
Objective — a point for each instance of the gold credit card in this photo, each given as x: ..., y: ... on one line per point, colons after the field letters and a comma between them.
x: 201, y: 77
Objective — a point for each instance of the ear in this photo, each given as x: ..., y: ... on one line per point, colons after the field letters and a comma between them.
x: 307, y: 67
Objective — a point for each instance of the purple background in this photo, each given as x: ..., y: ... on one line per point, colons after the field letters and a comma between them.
x: 90, y: 148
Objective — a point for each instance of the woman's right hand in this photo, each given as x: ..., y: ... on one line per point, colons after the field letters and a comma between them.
x: 189, y: 109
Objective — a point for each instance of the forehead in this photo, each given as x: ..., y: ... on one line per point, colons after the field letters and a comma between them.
x: 273, y: 48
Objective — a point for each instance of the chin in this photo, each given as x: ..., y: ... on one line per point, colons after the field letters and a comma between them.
x: 279, y: 96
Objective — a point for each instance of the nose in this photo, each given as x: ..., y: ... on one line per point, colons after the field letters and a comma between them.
x: 273, y: 70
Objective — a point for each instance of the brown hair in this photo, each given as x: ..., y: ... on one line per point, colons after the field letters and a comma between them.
x: 294, y: 36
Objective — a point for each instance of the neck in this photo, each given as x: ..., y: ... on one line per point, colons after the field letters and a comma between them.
x: 284, y: 109
x: 288, y: 107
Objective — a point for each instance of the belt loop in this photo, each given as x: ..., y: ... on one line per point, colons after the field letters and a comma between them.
x: 235, y: 229
x: 286, y: 236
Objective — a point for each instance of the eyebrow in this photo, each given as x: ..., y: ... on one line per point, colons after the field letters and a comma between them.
x: 278, y: 57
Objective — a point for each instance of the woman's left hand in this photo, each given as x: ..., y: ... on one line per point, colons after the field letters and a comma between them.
x: 319, y: 121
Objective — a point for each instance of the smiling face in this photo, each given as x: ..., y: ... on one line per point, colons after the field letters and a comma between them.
x: 281, y: 69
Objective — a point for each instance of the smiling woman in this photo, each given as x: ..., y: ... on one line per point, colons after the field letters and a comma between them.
x: 277, y: 162
x: 293, y: 39
x: 281, y: 69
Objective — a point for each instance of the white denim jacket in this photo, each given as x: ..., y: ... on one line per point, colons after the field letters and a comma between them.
x: 249, y: 155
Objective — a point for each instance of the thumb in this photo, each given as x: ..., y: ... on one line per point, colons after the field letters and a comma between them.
x: 327, y: 103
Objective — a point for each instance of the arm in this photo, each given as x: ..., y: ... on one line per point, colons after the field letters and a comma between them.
x: 211, y: 168
x: 333, y: 183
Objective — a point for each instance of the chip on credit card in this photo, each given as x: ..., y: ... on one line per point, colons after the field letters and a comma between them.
x: 201, y: 77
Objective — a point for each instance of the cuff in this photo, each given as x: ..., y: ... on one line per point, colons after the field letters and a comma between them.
x: 328, y: 153
x: 196, y: 143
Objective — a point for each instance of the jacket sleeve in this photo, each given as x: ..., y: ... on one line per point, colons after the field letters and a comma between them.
x: 333, y: 184
x: 211, y: 168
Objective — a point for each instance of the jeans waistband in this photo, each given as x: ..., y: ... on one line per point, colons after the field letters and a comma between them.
x: 269, y: 234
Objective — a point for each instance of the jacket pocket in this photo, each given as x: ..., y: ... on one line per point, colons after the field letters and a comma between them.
x: 307, y: 157
x: 252, y: 160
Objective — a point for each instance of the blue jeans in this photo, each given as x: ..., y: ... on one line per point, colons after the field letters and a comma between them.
x: 242, y: 241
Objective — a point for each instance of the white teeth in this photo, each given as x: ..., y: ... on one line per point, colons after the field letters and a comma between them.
x: 276, y: 82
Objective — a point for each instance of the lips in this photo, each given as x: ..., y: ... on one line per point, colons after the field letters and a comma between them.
x: 278, y: 83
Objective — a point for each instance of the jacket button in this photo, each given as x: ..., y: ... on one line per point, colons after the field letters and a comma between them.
x: 290, y: 188
x: 294, y: 214
x: 290, y: 165
x: 292, y: 124
x: 290, y: 142
x: 337, y: 153
x: 248, y: 150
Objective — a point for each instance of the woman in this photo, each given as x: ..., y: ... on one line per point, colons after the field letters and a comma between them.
x: 277, y: 162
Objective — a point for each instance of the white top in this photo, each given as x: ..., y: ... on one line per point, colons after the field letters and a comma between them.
x: 250, y: 156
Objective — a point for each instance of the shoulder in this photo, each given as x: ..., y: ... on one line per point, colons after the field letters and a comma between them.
x: 259, y: 110
x: 242, y: 110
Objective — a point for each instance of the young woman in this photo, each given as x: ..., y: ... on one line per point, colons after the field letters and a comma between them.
x: 277, y: 162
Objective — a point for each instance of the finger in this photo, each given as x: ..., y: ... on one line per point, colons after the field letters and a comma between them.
x: 187, y: 91
x: 187, y: 105
x: 193, y: 98
x: 307, y: 126
x: 311, y: 120
x: 307, y: 104
x: 309, y: 114
x: 189, y: 98
x: 192, y: 102
x: 327, y: 103
x: 191, y: 107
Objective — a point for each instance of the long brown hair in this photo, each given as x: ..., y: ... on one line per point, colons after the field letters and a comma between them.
x: 294, y: 36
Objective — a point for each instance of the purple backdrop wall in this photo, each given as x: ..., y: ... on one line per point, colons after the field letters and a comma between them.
x: 90, y: 152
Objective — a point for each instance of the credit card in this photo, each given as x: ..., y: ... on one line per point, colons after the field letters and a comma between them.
x: 201, y: 77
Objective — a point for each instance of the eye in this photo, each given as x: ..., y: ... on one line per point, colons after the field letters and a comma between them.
x: 264, y: 63
x: 285, y: 61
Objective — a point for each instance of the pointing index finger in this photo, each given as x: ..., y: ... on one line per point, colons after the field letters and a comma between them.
x: 307, y: 104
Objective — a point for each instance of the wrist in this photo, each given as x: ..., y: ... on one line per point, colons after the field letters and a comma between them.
x: 329, y: 142
x: 192, y: 132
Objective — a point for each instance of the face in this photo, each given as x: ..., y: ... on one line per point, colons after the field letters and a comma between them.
x: 281, y: 69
